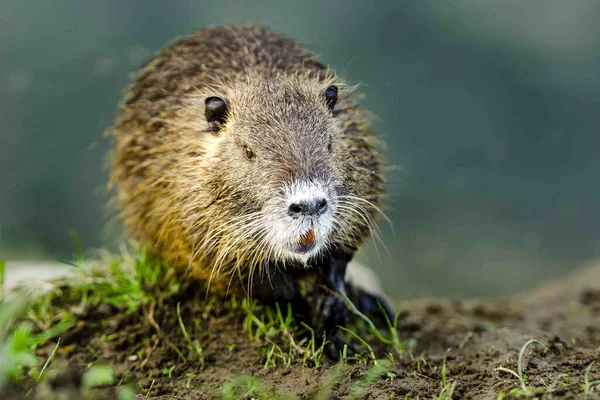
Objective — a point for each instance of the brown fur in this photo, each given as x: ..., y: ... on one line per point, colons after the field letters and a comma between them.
x: 189, y: 194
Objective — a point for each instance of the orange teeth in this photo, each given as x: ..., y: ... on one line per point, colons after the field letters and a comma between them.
x: 308, y: 237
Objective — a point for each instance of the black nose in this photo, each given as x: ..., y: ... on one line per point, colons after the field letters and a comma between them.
x: 314, y: 207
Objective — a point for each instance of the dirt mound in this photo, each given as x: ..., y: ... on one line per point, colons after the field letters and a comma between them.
x: 467, y: 349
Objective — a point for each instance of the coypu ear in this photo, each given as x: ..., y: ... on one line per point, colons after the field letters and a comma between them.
x: 331, y: 95
x: 215, y: 111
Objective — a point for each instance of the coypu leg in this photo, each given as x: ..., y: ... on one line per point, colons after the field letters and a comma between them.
x: 274, y: 286
x: 329, y: 309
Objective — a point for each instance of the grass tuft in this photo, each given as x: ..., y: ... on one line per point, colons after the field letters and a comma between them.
x: 363, y: 342
x: 17, y: 344
x: 377, y: 371
x: 192, y: 345
x: 269, y: 325
x: 370, y: 323
x: 520, y: 374
x: 30, y: 320
x: 253, y: 388
x: 447, y: 387
x: 587, y: 384
x: 98, y: 375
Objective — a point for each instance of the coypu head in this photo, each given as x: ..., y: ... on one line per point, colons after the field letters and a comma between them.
x: 245, y: 172
x: 271, y: 147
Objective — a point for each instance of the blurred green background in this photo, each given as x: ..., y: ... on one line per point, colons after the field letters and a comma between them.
x: 491, y: 108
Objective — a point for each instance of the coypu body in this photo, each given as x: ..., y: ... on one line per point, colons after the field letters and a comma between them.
x: 239, y: 156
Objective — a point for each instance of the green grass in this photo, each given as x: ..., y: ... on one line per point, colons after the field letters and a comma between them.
x: 48, y: 361
x: 333, y: 377
x: 268, y: 324
x: 447, y: 386
x: 587, y: 384
x: 28, y: 320
x: 133, y: 282
x: 127, y: 283
x: 524, y: 390
x: 561, y: 379
x: 250, y: 387
x: 124, y: 282
x: 104, y: 375
x: 375, y: 372
x: 395, y: 342
x: 193, y: 345
x: 17, y: 343
x: 363, y: 342
x: 244, y: 387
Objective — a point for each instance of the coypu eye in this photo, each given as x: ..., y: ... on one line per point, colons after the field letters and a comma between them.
x: 248, y: 153
x: 215, y: 111
x: 331, y: 94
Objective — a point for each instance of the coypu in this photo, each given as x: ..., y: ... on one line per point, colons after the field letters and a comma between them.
x: 238, y: 154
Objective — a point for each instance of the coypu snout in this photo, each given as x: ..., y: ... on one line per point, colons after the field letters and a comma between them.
x: 302, y: 226
x: 308, y: 208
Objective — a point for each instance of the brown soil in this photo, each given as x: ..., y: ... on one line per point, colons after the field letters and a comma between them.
x: 474, y: 337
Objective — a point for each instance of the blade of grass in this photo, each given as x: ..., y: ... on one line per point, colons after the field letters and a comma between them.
x: 398, y: 346
x: 363, y: 341
x: 522, y: 377
x: 194, y: 346
x: 366, y: 319
x: 48, y: 361
x: 587, y: 385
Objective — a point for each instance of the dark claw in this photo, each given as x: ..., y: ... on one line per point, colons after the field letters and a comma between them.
x: 328, y: 312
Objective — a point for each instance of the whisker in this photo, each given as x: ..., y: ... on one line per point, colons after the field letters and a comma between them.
x: 378, y: 209
x: 365, y: 216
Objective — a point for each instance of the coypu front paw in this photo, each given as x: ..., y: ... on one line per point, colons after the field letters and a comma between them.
x: 329, y: 311
x: 370, y: 304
